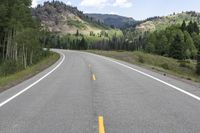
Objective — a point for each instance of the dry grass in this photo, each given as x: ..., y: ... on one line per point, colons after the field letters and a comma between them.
x: 182, y: 69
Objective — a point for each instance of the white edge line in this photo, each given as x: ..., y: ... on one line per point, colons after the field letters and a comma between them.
x: 36, y: 82
x: 150, y: 76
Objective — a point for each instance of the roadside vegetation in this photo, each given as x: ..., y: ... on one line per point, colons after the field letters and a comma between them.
x: 184, y: 69
x: 21, y: 47
x: 19, y: 76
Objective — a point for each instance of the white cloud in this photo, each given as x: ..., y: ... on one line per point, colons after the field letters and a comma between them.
x: 68, y: 3
x: 34, y: 3
x: 113, y: 13
x: 122, y: 3
x: 103, y: 3
x: 94, y: 3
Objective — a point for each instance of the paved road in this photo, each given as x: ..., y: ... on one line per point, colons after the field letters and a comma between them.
x: 71, y: 95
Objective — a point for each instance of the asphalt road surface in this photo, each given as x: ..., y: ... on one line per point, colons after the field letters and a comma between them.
x: 71, y: 95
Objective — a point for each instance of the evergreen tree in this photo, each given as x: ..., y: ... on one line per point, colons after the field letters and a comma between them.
x: 189, y: 48
x: 183, y: 26
x: 196, y: 27
x: 150, y: 47
x: 162, y: 46
x: 176, y: 48
x: 193, y: 27
x: 77, y: 32
x: 190, y: 28
x: 196, y: 39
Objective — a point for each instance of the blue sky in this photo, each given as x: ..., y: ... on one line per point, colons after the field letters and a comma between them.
x: 138, y: 9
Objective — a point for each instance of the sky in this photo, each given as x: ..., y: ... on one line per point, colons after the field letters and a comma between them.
x: 137, y: 9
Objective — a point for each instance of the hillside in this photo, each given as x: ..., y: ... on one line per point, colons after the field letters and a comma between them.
x: 113, y: 20
x: 159, y: 23
x: 61, y: 18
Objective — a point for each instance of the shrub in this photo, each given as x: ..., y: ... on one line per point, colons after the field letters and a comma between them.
x: 141, y: 59
x: 165, y: 66
x: 9, y: 67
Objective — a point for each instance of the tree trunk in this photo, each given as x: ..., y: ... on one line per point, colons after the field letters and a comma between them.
x: 4, y: 46
x: 31, y: 57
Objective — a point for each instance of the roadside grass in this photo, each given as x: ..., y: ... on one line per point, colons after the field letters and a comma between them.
x: 14, y: 79
x: 183, y: 69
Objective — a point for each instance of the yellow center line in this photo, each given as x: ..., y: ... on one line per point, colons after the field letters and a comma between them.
x: 101, y: 125
x: 94, y: 77
x: 89, y: 65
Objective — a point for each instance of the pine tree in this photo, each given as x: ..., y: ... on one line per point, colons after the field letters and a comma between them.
x: 77, y: 32
x: 183, y: 26
x: 190, y: 28
x: 196, y: 39
x: 176, y: 48
x: 150, y: 47
x: 195, y: 27
x: 189, y: 47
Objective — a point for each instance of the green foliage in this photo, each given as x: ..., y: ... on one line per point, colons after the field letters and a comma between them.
x: 165, y: 66
x: 196, y: 40
x: 19, y: 37
x: 106, y: 39
x: 141, y: 59
x: 185, y: 64
x: 177, y: 46
x: 18, y: 76
x: 192, y: 27
x: 183, y: 26
x: 150, y: 47
x: 190, y: 50
x: 9, y: 67
x: 174, y: 41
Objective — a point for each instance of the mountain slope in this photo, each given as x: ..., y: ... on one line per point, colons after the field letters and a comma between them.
x: 112, y: 20
x: 159, y: 23
x: 64, y: 19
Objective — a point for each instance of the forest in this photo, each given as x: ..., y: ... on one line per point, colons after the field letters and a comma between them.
x: 20, y: 37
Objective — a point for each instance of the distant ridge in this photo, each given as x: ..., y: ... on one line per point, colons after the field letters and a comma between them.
x: 113, y: 20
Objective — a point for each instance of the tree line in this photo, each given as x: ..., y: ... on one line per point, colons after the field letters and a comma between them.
x: 20, y: 44
x: 179, y: 42
x: 77, y: 42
